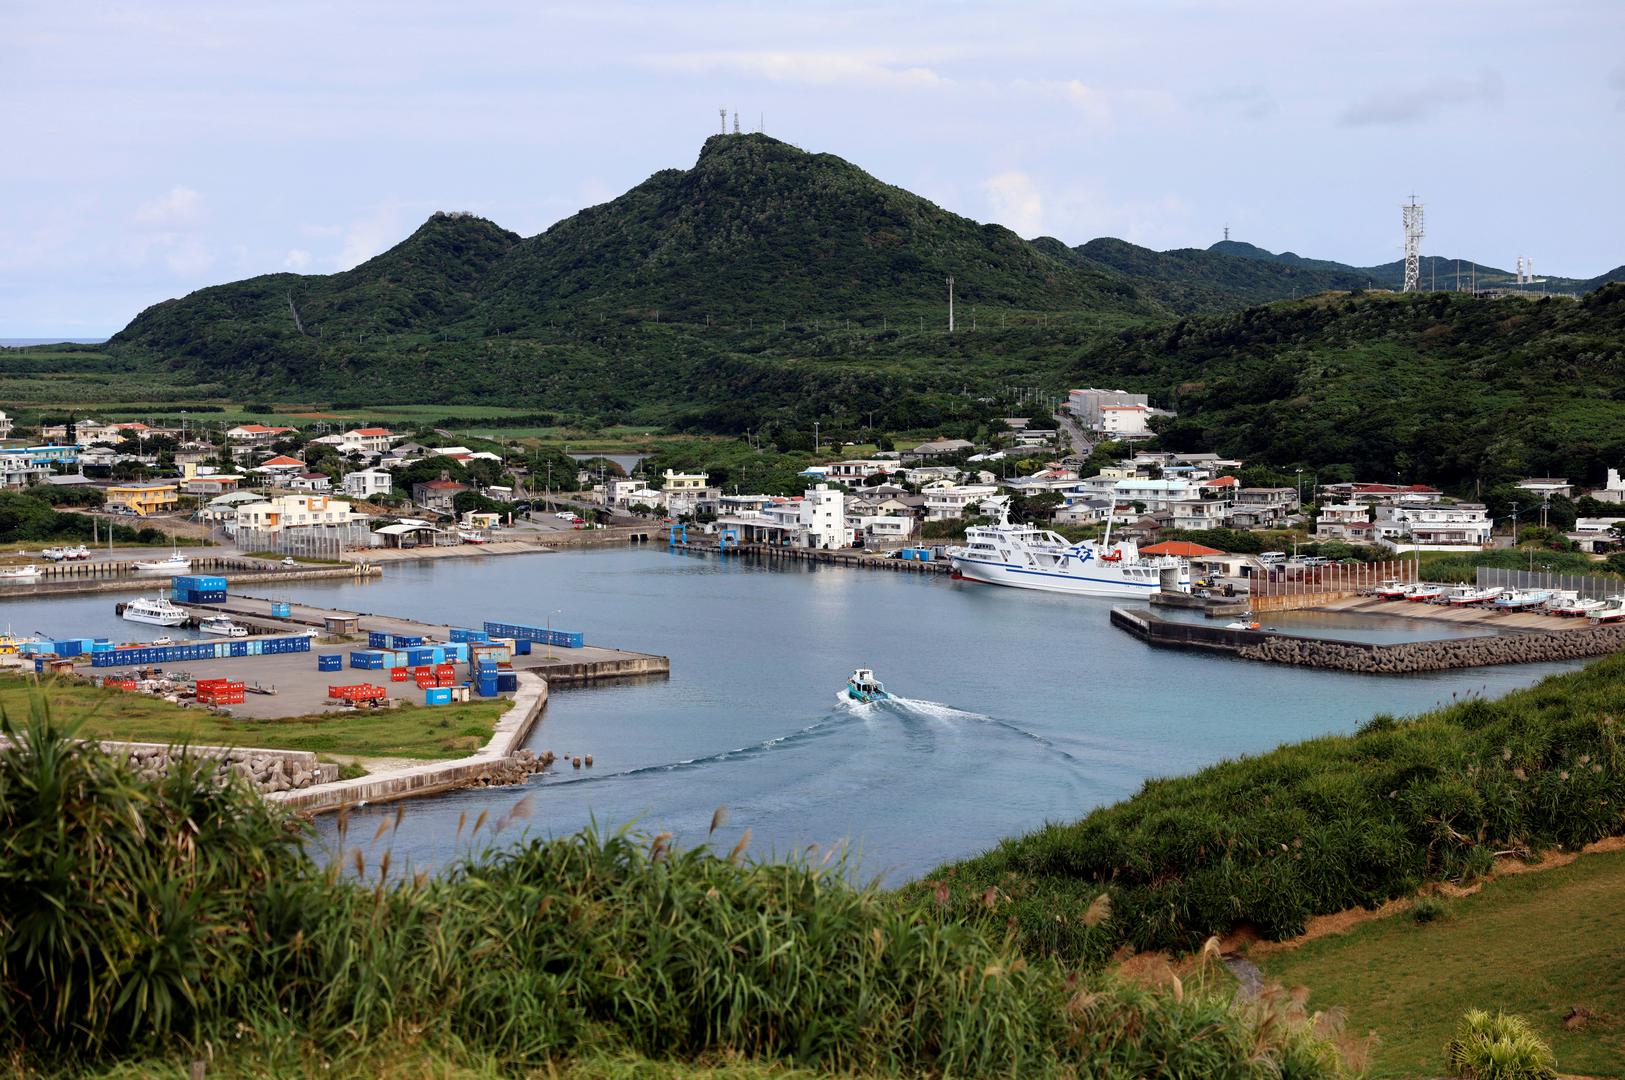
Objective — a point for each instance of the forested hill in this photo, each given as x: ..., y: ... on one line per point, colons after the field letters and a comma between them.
x: 1428, y: 386
x: 1435, y: 270
x: 757, y: 229
x: 1191, y: 280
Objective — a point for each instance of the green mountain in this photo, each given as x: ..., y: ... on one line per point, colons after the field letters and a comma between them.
x: 1616, y: 274
x: 1426, y: 386
x: 1191, y: 280
x: 1435, y: 270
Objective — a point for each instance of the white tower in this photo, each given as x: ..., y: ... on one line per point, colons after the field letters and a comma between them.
x: 1412, y: 216
x: 723, y: 112
x: 736, y: 122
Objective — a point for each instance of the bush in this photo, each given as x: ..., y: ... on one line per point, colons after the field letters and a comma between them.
x: 1317, y: 827
x: 1498, y: 1047
x: 1426, y: 909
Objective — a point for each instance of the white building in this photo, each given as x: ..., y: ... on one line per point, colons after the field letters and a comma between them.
x: 1433, y: 527
x: 1613, y: 491
x: 295, y: 511
x: 816, y: 520
x: 367, y: 483
x: 822, y: 516
x: 21, y: 470
x: 371, y: 440
x: 945, y: 499
x: 1125, y: 421
x: 1344, y: 521
x: 1085, y: 405
x: 5, y: 426
x: 1155, y: 494
x: 256, y: 434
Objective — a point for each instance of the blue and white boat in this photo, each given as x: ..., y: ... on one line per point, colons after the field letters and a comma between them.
x: 1523, y: 598
x: 864, y: 687
x: 1026, y: 557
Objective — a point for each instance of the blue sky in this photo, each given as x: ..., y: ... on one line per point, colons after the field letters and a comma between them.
x: 154, y: 148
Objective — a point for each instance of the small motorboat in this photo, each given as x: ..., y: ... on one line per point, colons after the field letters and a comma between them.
x: 1246, y: 622
x: 1476, y: 596
x: 222, y: 626
x: 176, y: 563
x: 863, y: 686
x: 19, y: 573
x: 1583, y: 606
x: 1612, y: 611
x: 1424, y: 592
x: 1393, y: 589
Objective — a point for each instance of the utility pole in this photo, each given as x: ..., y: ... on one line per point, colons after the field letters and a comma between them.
x: 950, y: 303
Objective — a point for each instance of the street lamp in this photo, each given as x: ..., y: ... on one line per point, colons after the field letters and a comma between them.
x: 551, y: 655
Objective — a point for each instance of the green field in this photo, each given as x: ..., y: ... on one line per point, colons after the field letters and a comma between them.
x: 1532, y: 944
x: 408, y: 731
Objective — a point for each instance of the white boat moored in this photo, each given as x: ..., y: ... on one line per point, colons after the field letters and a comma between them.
x: 157, y: 611
x: 219, y: 624
x: 174, y: 564
x: 19, y: 573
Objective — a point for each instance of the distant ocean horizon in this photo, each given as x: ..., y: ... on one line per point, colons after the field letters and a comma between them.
x: 12, y: 342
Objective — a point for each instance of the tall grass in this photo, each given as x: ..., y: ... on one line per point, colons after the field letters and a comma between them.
x: 1266, y: 842
x: 156, y: 917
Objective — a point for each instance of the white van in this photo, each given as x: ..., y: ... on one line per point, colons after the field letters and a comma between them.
x: 1272, y: 558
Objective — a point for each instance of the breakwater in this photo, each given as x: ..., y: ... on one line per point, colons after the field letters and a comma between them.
x: 123, y: 578
x: 1369, y: 658
x: 1410, y: 657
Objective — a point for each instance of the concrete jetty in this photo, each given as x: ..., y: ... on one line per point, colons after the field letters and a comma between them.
x: 496, y: 760
x: 1515, y: 646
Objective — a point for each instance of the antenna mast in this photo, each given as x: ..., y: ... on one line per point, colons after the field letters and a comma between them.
x: 723, y: 112
x: 1411, y: 214
x: 736, y: 121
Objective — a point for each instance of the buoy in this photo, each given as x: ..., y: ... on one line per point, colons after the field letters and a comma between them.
x: 589, y: 761
x: 576, y: 762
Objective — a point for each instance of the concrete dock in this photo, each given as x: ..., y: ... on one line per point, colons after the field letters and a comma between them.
x: 556, y: 664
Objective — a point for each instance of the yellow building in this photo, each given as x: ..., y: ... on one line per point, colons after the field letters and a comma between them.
x: 144, y: 499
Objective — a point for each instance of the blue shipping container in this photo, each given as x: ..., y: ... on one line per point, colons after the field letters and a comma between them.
x: 437, y: 696
x: 280, y: 609
x: 377, y: 639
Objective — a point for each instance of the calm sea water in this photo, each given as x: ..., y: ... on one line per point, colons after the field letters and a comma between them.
x: 1017, y: 708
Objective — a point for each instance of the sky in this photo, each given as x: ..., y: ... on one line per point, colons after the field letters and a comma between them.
x: 148, y: 149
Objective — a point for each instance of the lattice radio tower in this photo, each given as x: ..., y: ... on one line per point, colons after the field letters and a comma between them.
x: 1412, y: 214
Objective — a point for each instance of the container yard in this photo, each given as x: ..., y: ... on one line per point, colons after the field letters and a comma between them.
x: 302, y: 660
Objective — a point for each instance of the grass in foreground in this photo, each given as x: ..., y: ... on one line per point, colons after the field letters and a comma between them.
x: 1532, y: 944
x: 407, y: 731
x: 171, y: 919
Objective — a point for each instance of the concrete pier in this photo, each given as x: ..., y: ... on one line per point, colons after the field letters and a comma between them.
x: 512, y: 729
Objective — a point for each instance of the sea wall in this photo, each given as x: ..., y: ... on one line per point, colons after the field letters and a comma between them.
x: 1413, y: 656
x: 268, y: 770
x: 501, y: 761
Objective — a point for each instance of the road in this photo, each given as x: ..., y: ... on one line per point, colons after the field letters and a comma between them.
x: 1082, y: 445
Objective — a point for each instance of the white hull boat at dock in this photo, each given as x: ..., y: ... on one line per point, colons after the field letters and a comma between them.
x: 176, y: 563
x: 157, y: 611
x: 15, y: 574
x: 1476, y: 596
x: 1024, y: 557
x: 219, y: 624
x: 1521, y: 600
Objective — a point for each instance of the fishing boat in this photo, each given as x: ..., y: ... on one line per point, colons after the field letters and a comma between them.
x: 1246, y: 622
x: 1583, y: 606
x: 1025, y: 557
x: 1520, y: 599
x: 1393, y: 589
x: 1612, y: 611
x: 864, y: 687
x: 1560, y: 601
x: 157, y: 611
x: 1424, y: 592
x: 1476, y: 596
x: 19, y: 573
x: 219, y: 624
x: 10, y: 646
x: 472, y: 536
x: 176, y: 563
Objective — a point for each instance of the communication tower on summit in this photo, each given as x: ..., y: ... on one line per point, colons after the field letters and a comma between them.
x: 736, y: 122
x: 1411, y: 213
x: 723, y: 112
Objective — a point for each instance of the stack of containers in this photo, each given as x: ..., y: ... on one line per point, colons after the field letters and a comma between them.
x: 445, y: 675
x: 564, y: 639
x: 199, y: 589
x: 220, y: 692
x: 330, y: 662
x: 463, y: 635
x: 197, y: 650
x: 377, y: 639
x: 367, y: 659
x: 405, y: 641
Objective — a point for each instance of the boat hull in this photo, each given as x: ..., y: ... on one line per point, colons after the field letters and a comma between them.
x: 1080, y: 583
x: 155, y: 620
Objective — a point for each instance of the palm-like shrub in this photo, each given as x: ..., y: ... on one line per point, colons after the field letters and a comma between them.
x: 1498, y: 1047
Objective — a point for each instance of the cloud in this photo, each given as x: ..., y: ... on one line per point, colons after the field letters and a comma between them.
x: 187, y: 257
x: 1016, y: 202
x: 1098, y: 106
x: 1421, y: 102
x: 179, y: 206
x: 383, y: 228
x: 819, y: 68
x: 296, y: 260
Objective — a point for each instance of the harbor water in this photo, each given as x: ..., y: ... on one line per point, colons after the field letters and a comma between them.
x: 1015, y: 708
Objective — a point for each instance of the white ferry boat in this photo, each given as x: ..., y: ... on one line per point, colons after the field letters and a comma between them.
x: 1025, y: 557
x: 220, y: 624
x: 157, y: 611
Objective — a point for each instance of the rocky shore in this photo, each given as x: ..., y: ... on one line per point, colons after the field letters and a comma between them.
x: 1413, y: 656
x: 267, y: 770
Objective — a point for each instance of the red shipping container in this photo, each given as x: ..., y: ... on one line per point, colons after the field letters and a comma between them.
x: 449, y: 679
x: 397, y: 674
x: 443, y: 671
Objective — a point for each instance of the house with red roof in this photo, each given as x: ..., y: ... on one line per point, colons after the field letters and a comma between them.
x: 256, y: 434
x: 438, y: 495
x: 371, y: 440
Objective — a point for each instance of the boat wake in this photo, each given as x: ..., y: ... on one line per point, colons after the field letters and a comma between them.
x: 809, y: 733
x: 935, y: 710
